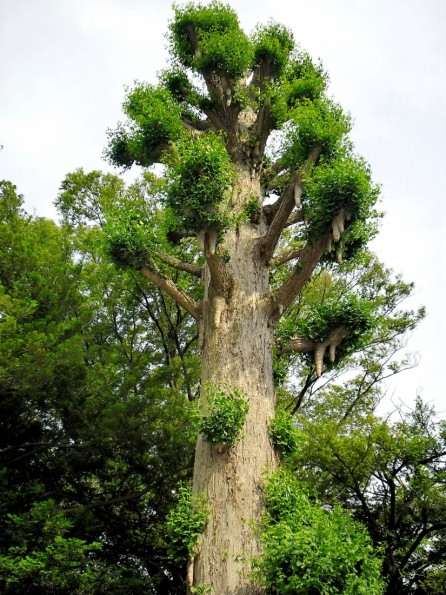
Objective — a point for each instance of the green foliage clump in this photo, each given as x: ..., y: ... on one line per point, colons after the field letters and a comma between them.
x: 302, y: 79
x: 227, y: 410
x: 314, y: 123
x: 154, y: 120
x: 308, y: 549
x: 348, y: 311
x: 128, y: 237
x: 185, y: 523
x: 272, y: 46
x: 200, y: 174
x: 56, y: 564
x: 284, y: 434
x: 345, y: 183
x: 83, y: 196
x: 208, y: 39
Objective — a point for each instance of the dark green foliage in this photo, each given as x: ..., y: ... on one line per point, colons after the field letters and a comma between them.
x: 200, y: 174
x: 225, y: 415
x: 284, y: 434
x: 185, y: 523
x: 93, y: 405
x: 43, y: 559
x: 308, y: 549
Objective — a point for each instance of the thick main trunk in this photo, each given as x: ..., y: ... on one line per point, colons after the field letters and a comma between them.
x: 237, y: 352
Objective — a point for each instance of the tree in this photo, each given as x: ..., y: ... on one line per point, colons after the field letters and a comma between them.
x: 260, y: 173
x: 389, y: 474
x: 93, y: 409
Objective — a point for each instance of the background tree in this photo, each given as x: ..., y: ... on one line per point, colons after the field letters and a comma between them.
x: 389, y: 474
x: 91, y: 415
x: 259, y: 172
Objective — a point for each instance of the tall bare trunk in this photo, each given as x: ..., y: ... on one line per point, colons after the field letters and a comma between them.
x: 238, y: 353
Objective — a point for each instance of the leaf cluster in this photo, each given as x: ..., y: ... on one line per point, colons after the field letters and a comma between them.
x: 128, y: 237
x: 318, y: 122
x: 309, y: 549
x: 301, y: 80
x: 351, y: 312
x: 284, y: 433
x: 185, y: 523
x: 209, y: 39
x: 200, y: 174
x: 154, y: 120
x: 332, y: 186
x: 273, y: 45
x: 225, y: 416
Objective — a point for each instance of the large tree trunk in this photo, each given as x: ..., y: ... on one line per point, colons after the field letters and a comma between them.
x: 236, y: 352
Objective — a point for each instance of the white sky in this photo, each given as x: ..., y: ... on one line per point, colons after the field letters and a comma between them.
x: 64, y: 64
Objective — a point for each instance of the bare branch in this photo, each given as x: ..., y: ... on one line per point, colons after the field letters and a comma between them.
x: 309, y: 257
x: 299, y: 345
x: 288, y: 200
x: 295, y: 217
x: 286, y: 256
x: 302, y: 344
x: 180, y: 265
x: 175, y: 293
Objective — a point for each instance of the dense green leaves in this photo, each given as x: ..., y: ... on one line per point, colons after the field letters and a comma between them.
x: 344, y: 184
x: 390, y: 474
x: 43, y: 559
x: 308, y: 549
x: 284, y: 434
x: 200, y: 174
x: 129, y: 237
x: 185, y: 523
x: 153, y: 121
x: 350, y: 312
x: 272, y: 46
x: 314, y: 123
x: 209, y: 39
x: 95, y: 375
x: 225, y: 413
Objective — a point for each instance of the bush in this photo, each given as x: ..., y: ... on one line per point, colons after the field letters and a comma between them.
x: 310, y: 550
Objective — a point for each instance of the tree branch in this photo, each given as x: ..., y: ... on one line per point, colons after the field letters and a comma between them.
x: 288, y: 200
x: 302, y: 344
x: 286, y: 256
x: 309, y: 257
x: 299, y: 344
x: 295, y: 217
x: 180, y: 265
x: 175, y: 293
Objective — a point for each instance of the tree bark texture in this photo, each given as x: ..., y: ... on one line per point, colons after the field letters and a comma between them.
x: 237, y: 353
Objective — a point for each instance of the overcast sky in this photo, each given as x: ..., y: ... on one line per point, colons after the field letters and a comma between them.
x: 64, y: 64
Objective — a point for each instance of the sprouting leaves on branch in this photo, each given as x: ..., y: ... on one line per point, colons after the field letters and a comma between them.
x: 200, y: 173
